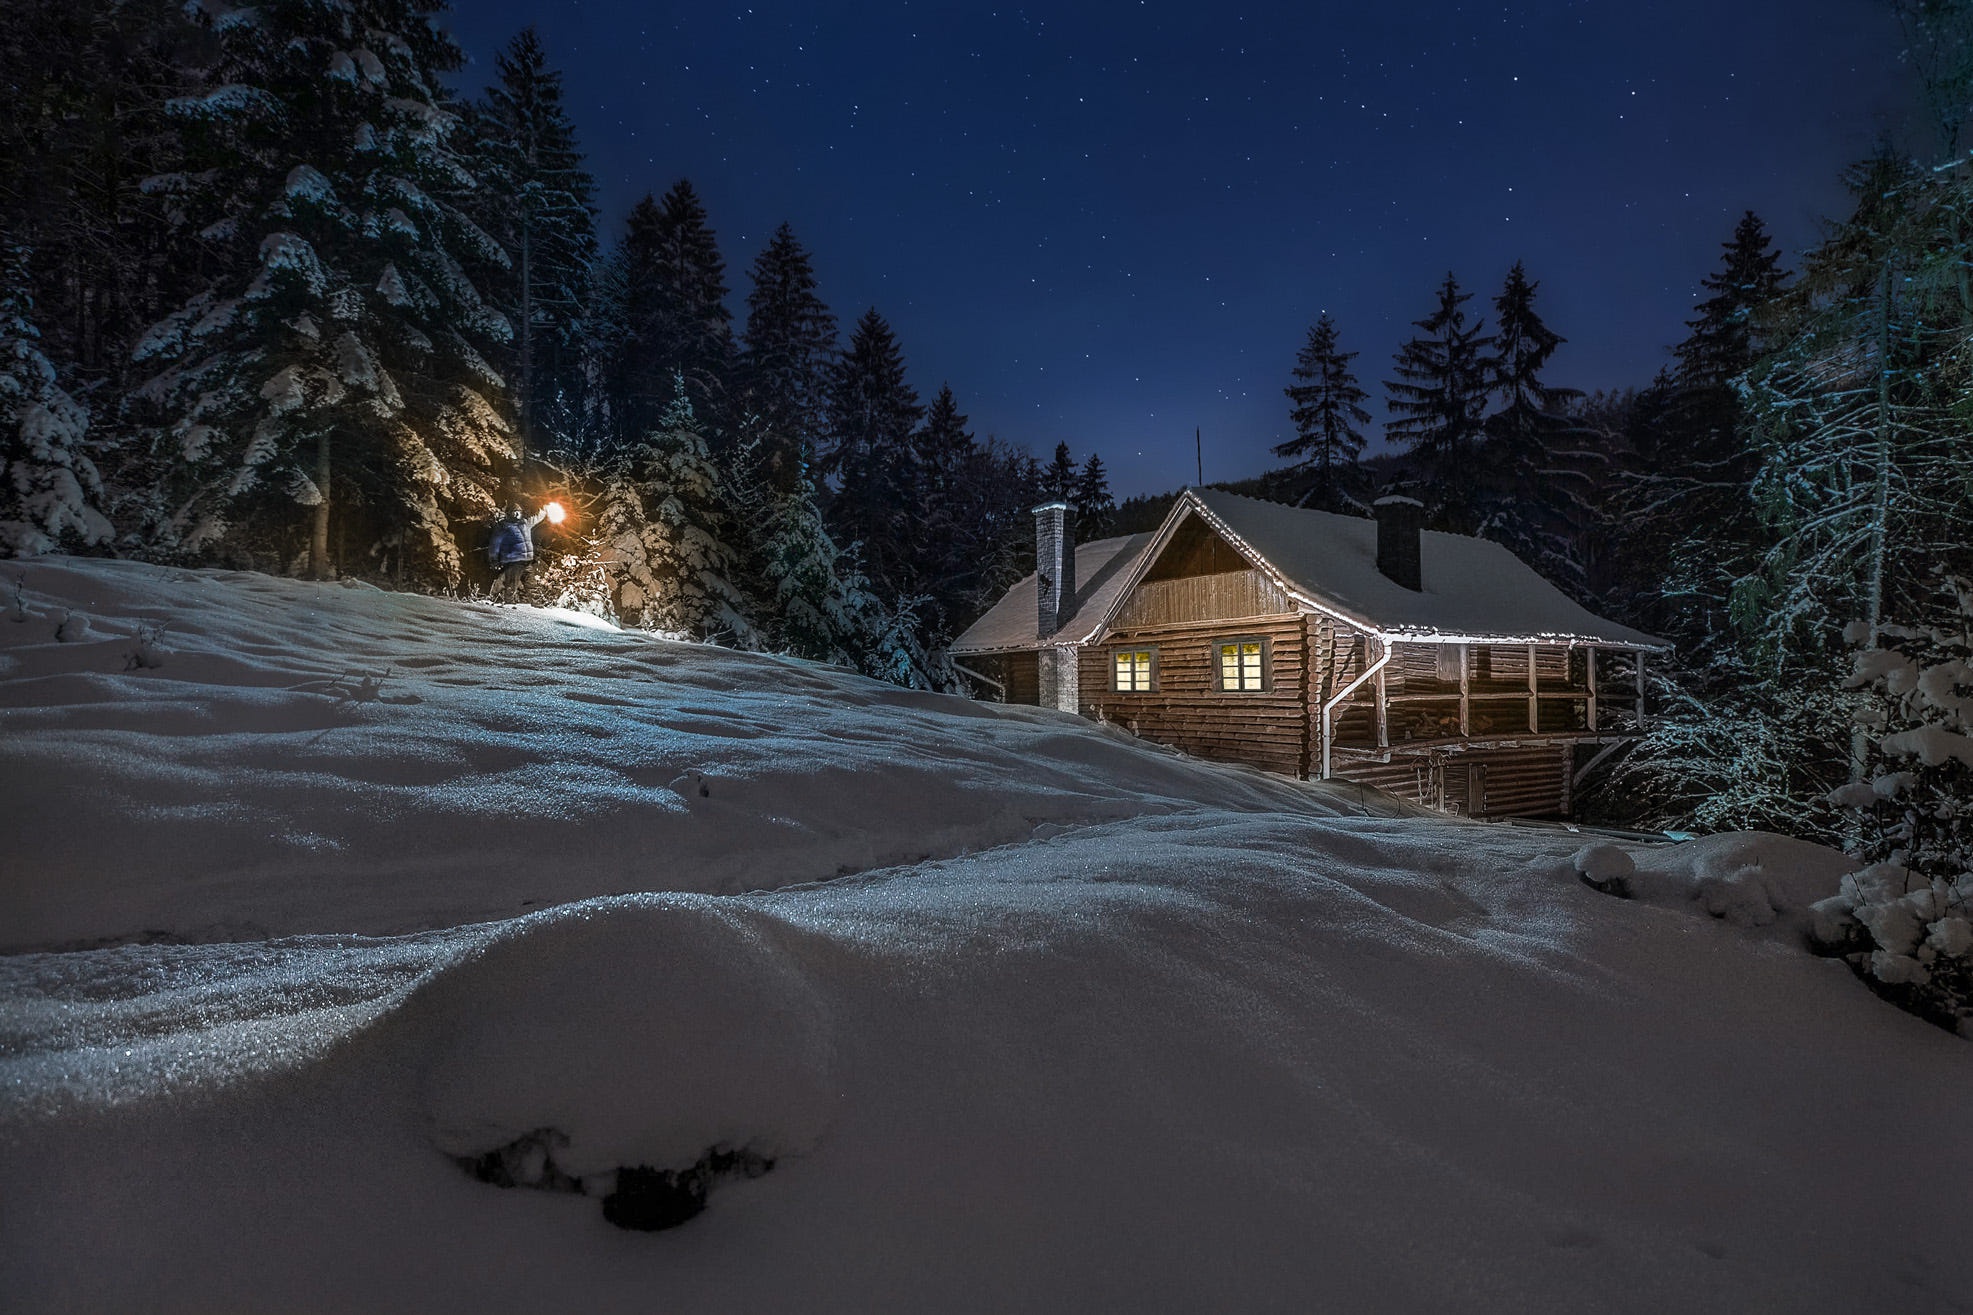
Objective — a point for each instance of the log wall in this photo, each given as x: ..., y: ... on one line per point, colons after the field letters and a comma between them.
x: 1022, y: 673
x: 1269, y: 729
x: 1531, y: 782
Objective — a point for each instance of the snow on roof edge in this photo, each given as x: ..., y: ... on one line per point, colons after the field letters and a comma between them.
x: 1117, y: 564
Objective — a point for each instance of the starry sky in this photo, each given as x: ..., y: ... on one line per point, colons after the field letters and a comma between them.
x: 1107, y: 224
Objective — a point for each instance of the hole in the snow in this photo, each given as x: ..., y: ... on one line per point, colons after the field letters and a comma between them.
x: 640, y: 1196
x: 526, y: 1161
x: 650, y: 1199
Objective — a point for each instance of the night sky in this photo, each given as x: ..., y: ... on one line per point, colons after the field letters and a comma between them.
x: 1107, y: 224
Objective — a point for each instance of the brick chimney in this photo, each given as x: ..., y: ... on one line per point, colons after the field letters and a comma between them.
x: 1400, y: 522
x: 1054, y: 567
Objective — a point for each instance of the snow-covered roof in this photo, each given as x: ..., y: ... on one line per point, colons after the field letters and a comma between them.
x: 1473, y: 589
x: 1102, y: 567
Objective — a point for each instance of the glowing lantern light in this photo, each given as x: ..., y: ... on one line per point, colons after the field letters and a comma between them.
x: 556, y: 513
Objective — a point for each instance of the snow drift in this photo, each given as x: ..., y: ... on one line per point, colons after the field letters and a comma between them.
x: 1132, y: 1033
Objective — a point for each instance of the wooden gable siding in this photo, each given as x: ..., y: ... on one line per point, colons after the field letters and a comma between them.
x: 1186, y: 710
x: 1222, y: 597
x: 1195, y: 548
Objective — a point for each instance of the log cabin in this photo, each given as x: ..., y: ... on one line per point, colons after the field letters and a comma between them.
x: 1437, y: 667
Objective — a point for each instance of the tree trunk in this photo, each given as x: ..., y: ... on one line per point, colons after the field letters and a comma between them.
x: 1880, y: 501
x: 318, y: 542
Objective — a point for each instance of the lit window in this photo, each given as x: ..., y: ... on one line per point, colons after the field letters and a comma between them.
x: 1132, y: 673
x: 1243, y: 664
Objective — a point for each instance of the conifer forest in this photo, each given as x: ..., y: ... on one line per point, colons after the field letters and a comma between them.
x: 281, y: 296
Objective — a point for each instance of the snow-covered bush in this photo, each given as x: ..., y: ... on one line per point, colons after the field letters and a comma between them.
x: 577, y: 578
x: 49, y: 488
x: 668, y: 534
x: 1906, y: 919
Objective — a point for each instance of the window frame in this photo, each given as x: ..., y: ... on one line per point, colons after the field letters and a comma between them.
x: 1151, y: 675
x: 1266, y: 664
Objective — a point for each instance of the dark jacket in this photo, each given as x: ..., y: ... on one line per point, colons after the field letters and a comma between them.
x: 513, y: 540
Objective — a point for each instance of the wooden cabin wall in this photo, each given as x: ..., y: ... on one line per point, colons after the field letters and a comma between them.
x: 1269, y: 729
x: 1023, y: 678
x: 1531, y: 782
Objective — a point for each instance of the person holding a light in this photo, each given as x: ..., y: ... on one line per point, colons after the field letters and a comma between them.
x: 511, y: 550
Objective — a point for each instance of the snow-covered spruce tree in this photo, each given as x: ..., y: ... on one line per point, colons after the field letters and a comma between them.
x: 665, y: 521
x: 786, y: 353
x: 333, y: 360
x: 819, y: 606
x: 1328, y: 414
x: 538, y: 201
x: 1438, y: 400
x: 49, y: 489
x: 1906, y: 919
x: 1862, y: 488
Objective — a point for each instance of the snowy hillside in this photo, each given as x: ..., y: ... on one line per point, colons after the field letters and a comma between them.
x: 1020, y: 1013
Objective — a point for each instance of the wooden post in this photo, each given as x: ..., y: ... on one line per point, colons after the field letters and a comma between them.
x: 1465, y: 692
x: 1640, y: 689
x: 1592, y: 689
x: 1384, y: 706
x: 1534, y: 712
x: 1311, y: 694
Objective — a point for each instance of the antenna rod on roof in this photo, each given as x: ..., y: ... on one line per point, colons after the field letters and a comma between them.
x: 1199, y: 455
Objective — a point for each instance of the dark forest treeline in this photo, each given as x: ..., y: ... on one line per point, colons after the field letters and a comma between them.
x: 277, y: 296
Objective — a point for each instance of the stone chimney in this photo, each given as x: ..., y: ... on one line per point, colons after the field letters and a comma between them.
x: 1400, y: 522
x: 1054, y: 567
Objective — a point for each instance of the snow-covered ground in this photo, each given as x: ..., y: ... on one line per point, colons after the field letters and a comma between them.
x: 1027, y: 1014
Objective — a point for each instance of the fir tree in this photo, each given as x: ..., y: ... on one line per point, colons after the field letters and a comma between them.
x: 1328, y: 415
x: 977, y: 507
x: 697, y: 334
x: 1058, y: 478
x: 787, y: 350
x: 1906, y: 919
x: 631, y: 329
x: 670, y: 293
x: 333, y: 360
x: 1724, y: 338
x: 873, y: 456
x: 1862, y: 491
x: 1939, y: 50
x: 538, y: 202
x: 1704, y: 457
x: 1539, y: 490
x: 1091, y: 500
x: 944, y: 445
x: 818, y: 603
x: 50, y: 492
x: 84, y: 143
x: 665, y: 516
x: 1439, y: 398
